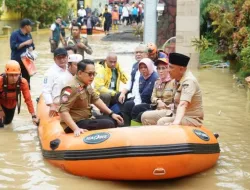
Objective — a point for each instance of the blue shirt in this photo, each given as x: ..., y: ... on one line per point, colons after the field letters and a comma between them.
x: 16, y: 38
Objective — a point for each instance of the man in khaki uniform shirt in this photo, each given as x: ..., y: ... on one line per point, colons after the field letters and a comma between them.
x: 75, y: 100
x: 188, y: 99
x: 78, y: 42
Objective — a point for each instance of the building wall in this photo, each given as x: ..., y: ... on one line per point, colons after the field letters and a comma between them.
x: 99, y: 5
x: 188, y: 28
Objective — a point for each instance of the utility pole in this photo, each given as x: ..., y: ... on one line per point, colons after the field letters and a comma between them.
x: 150, y: 21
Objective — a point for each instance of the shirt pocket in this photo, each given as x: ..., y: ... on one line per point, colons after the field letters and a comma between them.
x: 168, y: 95
x: 82, y: 101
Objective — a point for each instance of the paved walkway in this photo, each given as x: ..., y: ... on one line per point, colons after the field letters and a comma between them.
x: 124, y: 33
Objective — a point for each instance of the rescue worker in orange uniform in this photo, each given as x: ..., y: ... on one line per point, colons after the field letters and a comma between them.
x: 11, y: 86
x: 153, y: 53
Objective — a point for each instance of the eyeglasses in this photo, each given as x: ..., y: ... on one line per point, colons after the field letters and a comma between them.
x: 151, y: 51
x: 140, y: 52
x: 91, y: 74
x: 161, y: 68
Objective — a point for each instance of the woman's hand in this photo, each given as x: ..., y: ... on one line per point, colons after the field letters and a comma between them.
x: 161, y: 105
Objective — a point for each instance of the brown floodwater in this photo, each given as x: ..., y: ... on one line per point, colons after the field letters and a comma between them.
x: 226, y: 112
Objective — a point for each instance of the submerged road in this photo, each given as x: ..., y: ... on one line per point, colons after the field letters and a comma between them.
x: 226, y: 112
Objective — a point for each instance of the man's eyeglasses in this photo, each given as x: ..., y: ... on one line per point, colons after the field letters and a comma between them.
x: 91, y: 74
x: 150, y: 50
x: 140, y: 52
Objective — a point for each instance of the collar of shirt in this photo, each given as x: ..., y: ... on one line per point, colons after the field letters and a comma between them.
x: 55, y: 66
x: 184, y: 76
x: 21, y: 33
x: 79, y: 82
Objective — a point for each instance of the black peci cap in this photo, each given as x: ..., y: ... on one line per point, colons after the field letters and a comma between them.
x: 178, y: 59
x: 60, y: 51
x: 25, y: 22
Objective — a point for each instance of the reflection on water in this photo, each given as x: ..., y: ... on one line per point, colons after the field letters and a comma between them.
x: 226, y: 112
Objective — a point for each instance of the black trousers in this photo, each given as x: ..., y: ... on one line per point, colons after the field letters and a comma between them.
x: 24, y: 72
x: 107, y: 26
x: 138, y: 110
x: 101, y: 122
x: 9, y: 115
x: 89, y: 31
x: 127, y: 110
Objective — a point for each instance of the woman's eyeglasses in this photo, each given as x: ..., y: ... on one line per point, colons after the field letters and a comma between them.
x: 91, y: 74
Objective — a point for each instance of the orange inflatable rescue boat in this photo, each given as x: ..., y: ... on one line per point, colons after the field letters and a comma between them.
x: 95, y: 30
x: 129, y: 153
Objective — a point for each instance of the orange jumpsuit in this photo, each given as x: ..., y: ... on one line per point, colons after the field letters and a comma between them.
x: 11, y: 102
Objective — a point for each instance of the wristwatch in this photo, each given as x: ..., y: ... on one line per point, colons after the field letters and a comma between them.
x: 33, y: 116
x: 110, y: 115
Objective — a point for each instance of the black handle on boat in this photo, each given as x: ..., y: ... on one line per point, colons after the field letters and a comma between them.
x: 54, y: 144
x: 216, y: 135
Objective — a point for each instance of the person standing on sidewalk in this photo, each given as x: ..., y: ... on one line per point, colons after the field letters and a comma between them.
x: 108, y: 21
x: 115, y: 18
x: 20, y: 41
x: 90, y: 23
x: 11, y: 86
x: 56, y: 35
x: 81, y: 14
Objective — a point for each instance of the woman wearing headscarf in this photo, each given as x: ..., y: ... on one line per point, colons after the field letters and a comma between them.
x: 145, y: 89
x: 161, y: 99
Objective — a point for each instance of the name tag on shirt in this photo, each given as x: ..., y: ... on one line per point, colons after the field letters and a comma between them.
x: 112, y: 85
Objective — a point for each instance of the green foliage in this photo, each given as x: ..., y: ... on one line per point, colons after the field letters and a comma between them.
x: 209, y: 55
x: 1, y: 11
x: 245, y: 61
x: 138, y: 30
x: 44, y: 11
x: 204, y: 15
x: 200, y: 44
x: 230, y: 21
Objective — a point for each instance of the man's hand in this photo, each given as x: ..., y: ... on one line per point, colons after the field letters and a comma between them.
x: 81, y: 45
x: 35, y: 120
x: 29, y: 42
x: 118, y: 118
x: 52, y: 41
x: 52, y: 110
x: 173, y: 123
x: 78, y: 131
x: 2, y: 114
x: 121, y: 98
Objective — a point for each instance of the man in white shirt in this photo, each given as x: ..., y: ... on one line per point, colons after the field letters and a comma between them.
x: 81, y: 14
x: 132, y: 87
x: 50, y: 76
x: 67, y: 76
x: 125, y: 15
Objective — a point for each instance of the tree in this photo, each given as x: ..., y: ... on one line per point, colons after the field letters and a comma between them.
x: 44, y: 11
